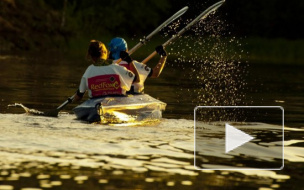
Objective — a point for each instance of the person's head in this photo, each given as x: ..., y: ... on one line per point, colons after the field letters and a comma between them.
x: 97, y: 50
x: 116, y: 46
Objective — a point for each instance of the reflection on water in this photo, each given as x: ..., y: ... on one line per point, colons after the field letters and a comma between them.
x: 65, y: 152
x: 255, y: 154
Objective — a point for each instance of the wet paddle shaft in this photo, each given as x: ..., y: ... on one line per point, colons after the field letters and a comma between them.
x: 202, y: 16
x: 69, y: 100
x: 164, y: 24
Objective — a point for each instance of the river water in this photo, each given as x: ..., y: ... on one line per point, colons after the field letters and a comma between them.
x: 64, y: 153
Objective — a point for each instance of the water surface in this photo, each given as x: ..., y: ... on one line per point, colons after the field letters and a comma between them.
x: 64, y: 153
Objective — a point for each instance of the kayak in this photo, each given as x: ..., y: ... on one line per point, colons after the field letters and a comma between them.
x: 120, y: 109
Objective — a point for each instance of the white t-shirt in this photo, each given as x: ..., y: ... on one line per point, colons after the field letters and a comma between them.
x: 143, y: 71
x: 106, y: 80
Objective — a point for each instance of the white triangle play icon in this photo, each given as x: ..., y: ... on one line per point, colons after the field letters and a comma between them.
x: 235, y: 138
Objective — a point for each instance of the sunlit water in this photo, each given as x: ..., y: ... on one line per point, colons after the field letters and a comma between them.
x: 65, y: 152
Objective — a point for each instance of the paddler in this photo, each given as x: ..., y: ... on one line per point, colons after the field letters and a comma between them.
x: 119, y: 49
x: 102, y: 78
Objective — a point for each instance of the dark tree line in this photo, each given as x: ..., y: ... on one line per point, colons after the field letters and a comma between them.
x: 33, y: 23
x: 113, y: 16
x: 265, y: 18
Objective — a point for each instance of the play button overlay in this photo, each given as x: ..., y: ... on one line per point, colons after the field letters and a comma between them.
x: 239, y: 137
x: 235, y: 138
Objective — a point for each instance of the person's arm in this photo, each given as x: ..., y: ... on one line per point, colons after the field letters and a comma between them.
x: 126, y: 57
x: 81, y: 91
x: 161, y: 63
x: 78, y: 96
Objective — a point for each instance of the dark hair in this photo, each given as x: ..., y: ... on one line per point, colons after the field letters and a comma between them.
x: 94, y: 49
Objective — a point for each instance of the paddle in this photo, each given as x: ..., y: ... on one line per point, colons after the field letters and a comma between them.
x: 202, y: 16
x: 54, y: 113
x: 51, y: 113
x: 164, y: 24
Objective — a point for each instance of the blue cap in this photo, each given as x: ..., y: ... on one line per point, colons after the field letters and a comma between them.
x: 116, y: 46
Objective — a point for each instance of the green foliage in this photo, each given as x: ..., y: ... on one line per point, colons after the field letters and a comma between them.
x: 31, y: 25
x: 38, y: 24
x: 278, y: 51
x: 116, y: 17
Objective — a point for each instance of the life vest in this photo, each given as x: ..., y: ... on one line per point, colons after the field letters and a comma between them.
x: 143, y: 71
x: 106, y: 80
x: 125, y: 64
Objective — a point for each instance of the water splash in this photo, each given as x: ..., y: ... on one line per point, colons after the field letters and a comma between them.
x: 26, y: 109
x: 212, y: 60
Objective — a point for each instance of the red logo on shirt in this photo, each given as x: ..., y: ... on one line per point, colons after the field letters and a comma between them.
x: 105, y: 85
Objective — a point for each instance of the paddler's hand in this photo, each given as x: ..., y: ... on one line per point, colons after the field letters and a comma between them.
x: 160, y: 50
x: 125, y: 56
